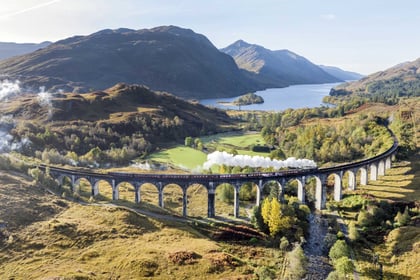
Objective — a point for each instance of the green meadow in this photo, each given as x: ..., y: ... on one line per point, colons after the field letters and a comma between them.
x: 185, y: 157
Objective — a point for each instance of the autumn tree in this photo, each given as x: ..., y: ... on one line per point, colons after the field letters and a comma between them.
x: 274, y: 217
x: 274, y: 220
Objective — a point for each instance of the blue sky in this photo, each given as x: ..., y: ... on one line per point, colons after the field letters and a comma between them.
x: 359, y: 35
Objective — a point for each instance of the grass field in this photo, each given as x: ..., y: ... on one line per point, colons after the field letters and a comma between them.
x: 181, y: 157
x: 192, y: 159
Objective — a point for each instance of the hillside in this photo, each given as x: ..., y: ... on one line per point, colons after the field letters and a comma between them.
x: 165, y: 58
x: 13, y: 49
x: 341, y: 74
x: 43, y: 236
x: 277, y: 68
x: 400, y: 80
x: 128, y: 120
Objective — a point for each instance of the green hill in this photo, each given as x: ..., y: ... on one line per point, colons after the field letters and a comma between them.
x: 402, y: 80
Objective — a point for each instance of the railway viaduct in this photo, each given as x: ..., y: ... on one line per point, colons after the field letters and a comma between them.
x: 369, y: 169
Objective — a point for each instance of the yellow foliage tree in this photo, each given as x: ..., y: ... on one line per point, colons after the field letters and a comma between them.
x: 274, y: 220
x: 273, y: 217
x: 265, y: 210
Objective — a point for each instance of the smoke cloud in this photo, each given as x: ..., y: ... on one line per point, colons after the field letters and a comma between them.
x: 8, y: 88
x: 44, y: 99
x: 143, y: 166
x: 219, y: 158
x: 7, y: 143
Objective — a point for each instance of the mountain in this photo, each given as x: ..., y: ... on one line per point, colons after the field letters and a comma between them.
x: 341, y: 74
x: 165, y: 58
x: 13, y: 49
x: 400, y: 80
x: 277, y: 68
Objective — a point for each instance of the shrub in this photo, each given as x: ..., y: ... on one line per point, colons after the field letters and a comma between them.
x: 338, y: 250
x: 264, y: 273
x: 284, y: 244
x: 329, y: 241
x: 344, y: 266
x: 297, y: 263
x: 353, y: 232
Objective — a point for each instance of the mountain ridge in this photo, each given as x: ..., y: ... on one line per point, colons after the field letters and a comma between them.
x: 402, y: 79
x: 277, y: 68
x: 10, y: 49
x: 341, y: 74
x: 166, y: 58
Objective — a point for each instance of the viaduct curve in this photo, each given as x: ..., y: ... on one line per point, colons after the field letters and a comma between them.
x: 369, y: 169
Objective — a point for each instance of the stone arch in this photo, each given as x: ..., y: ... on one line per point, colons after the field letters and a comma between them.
x: 126, y: 191
x: 102, y: 190
x: 224, y: 198
x: 61, y: 178
x: 149, y: 193
x: 349, y: 179
x: 248, y: 191
x: 295, y: 187
x: 65, y: 183
x: 362, y: 173
x: 247, y: 194
x: 197, y: 200
x: 272, y: 187
x: 173, y: 197
x: 334, y: 182
x: 83, y: 187
x: 315, y: 190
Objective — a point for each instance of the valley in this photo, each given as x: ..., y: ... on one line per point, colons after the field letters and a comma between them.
x: 159, y: 151
x: 36, y: 245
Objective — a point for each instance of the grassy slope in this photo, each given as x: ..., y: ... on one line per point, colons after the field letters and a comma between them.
x: 400, y: 251
x: 102, y: 242
x: 181, y: 156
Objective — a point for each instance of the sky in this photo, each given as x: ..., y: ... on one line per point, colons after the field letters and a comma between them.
x: 364, y: 36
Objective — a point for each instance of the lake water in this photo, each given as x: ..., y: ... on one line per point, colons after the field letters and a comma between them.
x: 278, y: 99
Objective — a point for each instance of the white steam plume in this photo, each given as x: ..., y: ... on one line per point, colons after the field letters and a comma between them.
x: 6, y: 140
x: 44, y: 99
x: 8, y: 88
x: 143, y: 166
x: 219, y: 158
